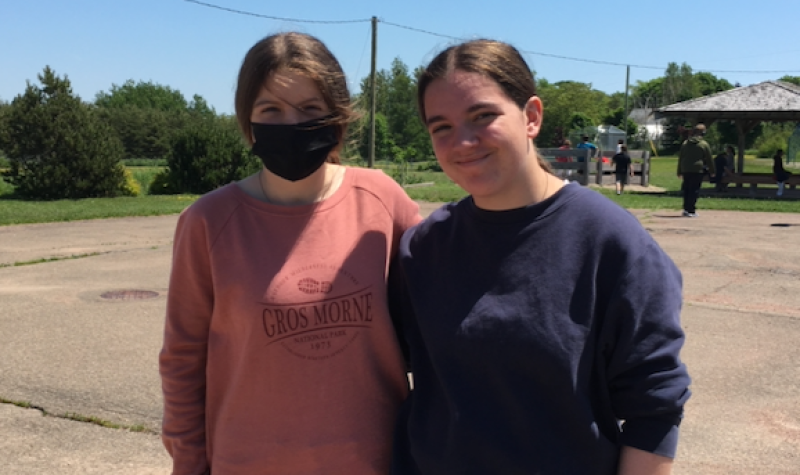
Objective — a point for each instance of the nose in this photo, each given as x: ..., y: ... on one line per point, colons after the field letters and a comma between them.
x: 464, y: 137
x: 294, y: 116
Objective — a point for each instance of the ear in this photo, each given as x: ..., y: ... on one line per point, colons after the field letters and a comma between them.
x: 533, y: 116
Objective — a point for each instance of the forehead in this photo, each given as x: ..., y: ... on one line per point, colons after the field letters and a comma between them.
x: 459, y: 90
x: 289, y: 87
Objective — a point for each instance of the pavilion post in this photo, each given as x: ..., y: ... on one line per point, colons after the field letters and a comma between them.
x: 743, y: 127
x: 740, y: 158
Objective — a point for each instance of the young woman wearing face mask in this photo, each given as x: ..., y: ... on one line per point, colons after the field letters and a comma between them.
x: 542, y: 320
x: 279, y: 355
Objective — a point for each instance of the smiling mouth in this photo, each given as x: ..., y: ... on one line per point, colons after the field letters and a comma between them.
x: 472, y: 160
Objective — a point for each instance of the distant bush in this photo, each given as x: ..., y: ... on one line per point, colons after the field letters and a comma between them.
x: 768, y: 147
x: 131, y: 186
x: 58, y: 148
x: 205, y: 155
x: 430, y: 165
x: 774, y: 137
x: 145, y: 162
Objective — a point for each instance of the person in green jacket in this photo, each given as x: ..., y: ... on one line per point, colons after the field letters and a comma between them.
x: 694, y: 162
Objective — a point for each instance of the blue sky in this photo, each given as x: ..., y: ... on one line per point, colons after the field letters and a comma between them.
x: 198, y: 50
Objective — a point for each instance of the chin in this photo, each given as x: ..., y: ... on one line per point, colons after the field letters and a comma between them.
x: 481, y: 190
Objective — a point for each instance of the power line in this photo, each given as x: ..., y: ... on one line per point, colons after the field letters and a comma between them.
x: 582, y: 60
x: 419, y: 30
x: 450, y: 37
x: 258, y: 15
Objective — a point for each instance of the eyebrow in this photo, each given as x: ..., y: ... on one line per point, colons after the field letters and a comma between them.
x: 470, y: 109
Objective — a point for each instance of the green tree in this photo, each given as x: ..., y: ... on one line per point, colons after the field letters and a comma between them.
x: 384, y: 145
x: 364, y: 98
x: 679, y: 83
x: 147, y: 95
x: 199, y: 107
x: 562, y: 101
x: 580, y: 121
x: 791, y: 79
x: 402, y: 117
x: 144, y: 132
x: 146, y: 115
x: 396, y: 101
x: 58, y: 147
x: 707, y: 84
x: 616, y: 118
x: 5, y: 109
x: 648, y: 94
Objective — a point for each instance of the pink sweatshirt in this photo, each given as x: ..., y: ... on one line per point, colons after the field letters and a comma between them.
x: 279, y: 355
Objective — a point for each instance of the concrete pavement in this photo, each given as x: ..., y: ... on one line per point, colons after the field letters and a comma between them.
x: 68, y: 350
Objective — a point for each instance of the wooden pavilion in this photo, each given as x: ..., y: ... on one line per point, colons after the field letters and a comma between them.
x: 769, y: 101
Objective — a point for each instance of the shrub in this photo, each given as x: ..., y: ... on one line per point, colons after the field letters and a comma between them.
x: 430, y: 165
x: 163, y: 185
x: 768, y: 147
x: 205, y: 155
x: 774, y: 137
x: 57, y: 146
x: 131, y: 186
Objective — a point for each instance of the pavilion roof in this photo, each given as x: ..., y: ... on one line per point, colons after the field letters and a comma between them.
x: 768, y: 101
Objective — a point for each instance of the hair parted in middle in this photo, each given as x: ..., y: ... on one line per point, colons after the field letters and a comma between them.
x: 499, y: 61
x: 296, y: 53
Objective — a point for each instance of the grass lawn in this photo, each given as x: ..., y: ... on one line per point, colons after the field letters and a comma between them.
x: 663, y: 175
x: 421, y: 182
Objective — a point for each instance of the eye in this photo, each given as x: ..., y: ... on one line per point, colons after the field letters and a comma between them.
x: 438, y: 129
x: 312, y: 108
x: 485, y: 116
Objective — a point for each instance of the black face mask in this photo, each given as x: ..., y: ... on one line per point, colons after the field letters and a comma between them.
x: 294, y: 151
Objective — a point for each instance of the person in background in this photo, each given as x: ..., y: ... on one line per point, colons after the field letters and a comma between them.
x: 694, y: 162
x: 781, y: 174
x: 731, y: 154
x: 585, y: 144
x: 566, y: 145
x: 620, y: 144
x: 279, y: 355
x: 722, y: 172
x: 542, y: 320
x: 623, y: 168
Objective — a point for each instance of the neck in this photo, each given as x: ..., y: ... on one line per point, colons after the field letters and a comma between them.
x: 318, y: 186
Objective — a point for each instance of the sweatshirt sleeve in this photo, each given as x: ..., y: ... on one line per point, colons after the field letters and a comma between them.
x: 647, y: 382
x: 182, y: 361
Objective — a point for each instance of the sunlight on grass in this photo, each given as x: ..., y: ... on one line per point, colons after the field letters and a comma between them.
x: 662, y: 175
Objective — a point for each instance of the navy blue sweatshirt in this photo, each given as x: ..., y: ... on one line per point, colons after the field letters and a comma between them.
x: 541, y: 339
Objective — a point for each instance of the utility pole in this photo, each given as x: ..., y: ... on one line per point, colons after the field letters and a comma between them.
x: 373, y: 93
x: 625, y: 112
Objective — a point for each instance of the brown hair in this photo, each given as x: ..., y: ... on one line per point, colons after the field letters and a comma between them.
x: 297, y: 53
x: 500, y: 62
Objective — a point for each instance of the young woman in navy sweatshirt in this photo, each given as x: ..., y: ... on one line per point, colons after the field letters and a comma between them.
x: 541, y: 319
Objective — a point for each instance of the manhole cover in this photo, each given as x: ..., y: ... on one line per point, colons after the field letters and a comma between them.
x: 129, y: 295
